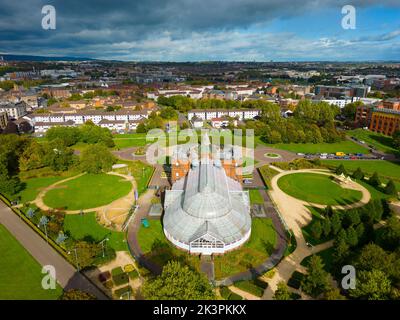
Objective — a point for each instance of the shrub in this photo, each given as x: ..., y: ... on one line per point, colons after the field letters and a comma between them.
x: 251, y: 287
x: 122, y: 291
x: 104, y: 276
x: 133, y: 274
x: 128, y: 268
x: 120, y: 279
x: 295, y: 280
x: 117, y: 271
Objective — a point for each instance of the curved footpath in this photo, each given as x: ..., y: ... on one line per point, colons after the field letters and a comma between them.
x: 297, y: 216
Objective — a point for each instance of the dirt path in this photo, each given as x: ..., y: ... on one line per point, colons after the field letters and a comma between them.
x: 296, y: 216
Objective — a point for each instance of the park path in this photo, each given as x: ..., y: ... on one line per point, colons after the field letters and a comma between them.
x: 297, y: 216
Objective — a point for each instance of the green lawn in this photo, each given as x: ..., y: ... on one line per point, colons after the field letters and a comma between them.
x: 32, y: 187
x: 378, y: 140
x: 158, y: 249
x: 255, y: 197
x: 386, y: 169
x: 21, y: 275
x: 345, y: 146
x: 141, y: 171
x: 317, y: 188
x: 257, y: 249
x: 81, y: 227
x: 130, y: 140
x: 87, y: 191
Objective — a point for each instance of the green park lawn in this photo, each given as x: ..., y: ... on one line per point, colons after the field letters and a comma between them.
x: 21, y: 275
x: 87, y: 191
x: 141, y: 172
x: 317, y: 188
x: 158, y: 249
x: 345, y: 146
x: 129, y: 140
x: 81, y: 227
x: 32, y: 187
x: 386, y: 169
x: 255, y: 197
x: 378, y: 140
x: 257, y: 249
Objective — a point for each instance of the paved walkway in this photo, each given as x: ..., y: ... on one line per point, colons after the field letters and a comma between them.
x: 144, y: 203
x: 44, y: 254
x: 297, y: 216
x: 244, y: 294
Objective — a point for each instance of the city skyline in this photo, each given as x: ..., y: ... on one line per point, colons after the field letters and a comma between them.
x: 186, y: 31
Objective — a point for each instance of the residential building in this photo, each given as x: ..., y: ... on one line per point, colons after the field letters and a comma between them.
x: 3, y: 119
x: 240, y: 114
x: 13, y: 110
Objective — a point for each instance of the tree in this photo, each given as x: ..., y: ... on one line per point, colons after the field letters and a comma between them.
x: 317, y: 280
x: 349, y: 110
x: 391, y: 188
x: 341, y: 249
x: 141, y: 128
x: 336, y: 223
x: 316, y: 230
x: 333, y: 294
x: 374, y: 180
x: 178, y: 282
x: 340, y: 170
x: 75, y: 294
x: 371, y: 285
x: 351, y: 237
x: 358, y: 174
x: 396, y: 139
x: 326, y: 227
x: 96, y: 159
x: 282, y: 292
x: 69, y: 135
x: 168, y: 113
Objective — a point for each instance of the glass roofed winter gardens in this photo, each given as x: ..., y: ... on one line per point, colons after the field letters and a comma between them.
x: 207, y: 211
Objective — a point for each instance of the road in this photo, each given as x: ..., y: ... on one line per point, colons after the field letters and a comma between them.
x: 44, y: 254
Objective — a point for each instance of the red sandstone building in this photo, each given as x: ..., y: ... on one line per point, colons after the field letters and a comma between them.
x: 383, y: 118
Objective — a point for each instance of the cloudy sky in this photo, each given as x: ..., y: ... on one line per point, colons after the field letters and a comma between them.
x: 189, y: 30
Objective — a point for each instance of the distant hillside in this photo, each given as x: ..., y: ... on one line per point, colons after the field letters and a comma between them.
x: 14, y: 57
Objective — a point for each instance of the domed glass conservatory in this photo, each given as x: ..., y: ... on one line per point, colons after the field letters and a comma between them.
x: 207, y: 212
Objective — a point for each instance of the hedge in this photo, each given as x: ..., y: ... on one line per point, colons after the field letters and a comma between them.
x: 255, y: 287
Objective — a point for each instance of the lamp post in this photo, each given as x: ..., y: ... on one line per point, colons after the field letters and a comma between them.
x: 76, y: 258
x: 126, y: 293
x: 102, y: 245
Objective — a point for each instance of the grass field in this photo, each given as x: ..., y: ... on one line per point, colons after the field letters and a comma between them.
x: 140, y: 171
x: 21, y: 275
x: 345, y: 146
x: 386, y: 169
x: 87, y: 191
x: 129, y: 140
x: 378, y: 140
x: 32, y: 187
x: 257, y: 249
x: 158, y: 249
x: 81, y: 227
x: 255, y: 197
x: 317, y: 188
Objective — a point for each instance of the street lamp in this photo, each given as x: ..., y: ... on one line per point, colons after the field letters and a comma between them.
x: 128, y: 293
x: 76, y: 258
x: 102, y: 245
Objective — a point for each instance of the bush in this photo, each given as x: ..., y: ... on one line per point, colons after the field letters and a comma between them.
x: 118, y: 293
x: 117, y: 271
x: 128, y: 268
x: 133, y: 274
x: 252, y: 287
x: 295, y: 280
x: 228, y: 294
x: 120, y: 279
x: 104, y: 276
